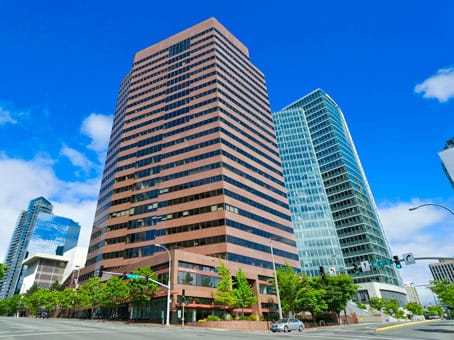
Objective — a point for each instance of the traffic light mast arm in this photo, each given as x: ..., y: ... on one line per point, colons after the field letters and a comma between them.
x: 434, y: 258
x: 139, y: 277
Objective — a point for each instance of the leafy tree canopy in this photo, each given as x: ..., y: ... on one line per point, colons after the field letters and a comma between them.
x: 243, y: 295
x: 415, y: 308
x: 224, y: 293
x: 339, y: 290
x: 3, y: 269
x: 289, y: 283
x: 444, y: 291
x: 141, y: 289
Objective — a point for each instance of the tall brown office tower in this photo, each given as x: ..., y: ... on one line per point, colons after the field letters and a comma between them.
x: 192, y: 162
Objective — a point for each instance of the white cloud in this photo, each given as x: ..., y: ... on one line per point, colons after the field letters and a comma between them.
x: 23, y: 180
x: 77, y: 158
x: 425, y: 232
x: 97, y: 127
x: 6, y: 116
x: 440, y: 86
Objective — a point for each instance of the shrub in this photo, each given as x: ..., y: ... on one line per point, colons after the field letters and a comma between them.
x: 361, y: 306
x: 254, y: 317
x: 228, y: 317
x: 400, y: 314
x: 202, y: 320
x: 213, y: 318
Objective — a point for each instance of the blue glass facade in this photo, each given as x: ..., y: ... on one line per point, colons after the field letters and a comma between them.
x: 37, y: 231
x: 51, y: 233
x: 313, y: 225
x: 332, y: 207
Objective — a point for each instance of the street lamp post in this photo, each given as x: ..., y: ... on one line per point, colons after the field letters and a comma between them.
x: 168, y: 283
x: 276, y: 284
x: 434, y: 204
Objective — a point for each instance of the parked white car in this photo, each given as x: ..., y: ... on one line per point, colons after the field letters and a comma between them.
x: 287, y: 325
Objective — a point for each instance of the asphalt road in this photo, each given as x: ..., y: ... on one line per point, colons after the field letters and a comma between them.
x: 53, y: 329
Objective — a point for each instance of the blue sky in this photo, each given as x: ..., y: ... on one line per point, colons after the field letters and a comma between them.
x: 389, y: 65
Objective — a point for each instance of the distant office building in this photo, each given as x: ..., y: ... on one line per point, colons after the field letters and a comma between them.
x: 53, y: 235
x: 447, y: 160
x: 37, y: 231
x: 192, y: 162
x: 412, y: 294
x: 443, y: 270
x: 42, y: 270
x: 333, y: 210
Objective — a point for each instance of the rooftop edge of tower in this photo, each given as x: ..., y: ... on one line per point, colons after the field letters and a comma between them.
x: 187, y: 33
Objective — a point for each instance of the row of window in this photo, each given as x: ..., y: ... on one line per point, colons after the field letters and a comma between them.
x: 166, y: 92
x: 152, y: 182
x: 165, y: 51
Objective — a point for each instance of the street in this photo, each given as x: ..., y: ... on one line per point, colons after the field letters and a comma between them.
x: 53, y: 329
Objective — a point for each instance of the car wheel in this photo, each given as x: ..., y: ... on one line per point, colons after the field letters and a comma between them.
x: 301, y: 328
x: 285, y: 329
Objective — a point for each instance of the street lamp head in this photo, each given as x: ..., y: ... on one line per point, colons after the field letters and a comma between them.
x: 433, y: 204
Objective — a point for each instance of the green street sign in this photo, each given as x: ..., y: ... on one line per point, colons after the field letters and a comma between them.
x: 381, y: 263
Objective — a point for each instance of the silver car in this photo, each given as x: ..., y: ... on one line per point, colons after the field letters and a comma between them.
x: 287, y: 325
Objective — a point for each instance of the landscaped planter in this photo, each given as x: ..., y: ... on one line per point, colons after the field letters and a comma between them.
x: 233, y: 324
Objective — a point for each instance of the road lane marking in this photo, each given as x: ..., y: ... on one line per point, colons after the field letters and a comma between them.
x: 402, y: 325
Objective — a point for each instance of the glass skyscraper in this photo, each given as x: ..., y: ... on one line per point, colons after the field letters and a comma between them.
x: 314, y: 228
x: 333, y: 210
x: 37, y: 231
x: 447, y: 160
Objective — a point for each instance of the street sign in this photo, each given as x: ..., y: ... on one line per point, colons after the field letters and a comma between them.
x: 380, y: 263
x: 133, y: 276
x: 365, y: 266
x: 332, y: 271
x: 409, y: 258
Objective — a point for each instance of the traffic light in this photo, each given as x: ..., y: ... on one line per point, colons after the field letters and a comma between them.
x: 397, y: 262
x: 183, y: 293
x: 356, y: 269
x: 100, y: 271
x: 322, y: 272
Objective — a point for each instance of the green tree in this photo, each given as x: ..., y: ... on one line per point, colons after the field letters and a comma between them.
x: 391, y: 307
x: 339, y: 290
x: 224, y: 293
x: 116, y: 292
x: 444, y: 291
x: 141, y: 290
x: 55, y: 286
x: 310, y: 298
x: 3, y: 269
x: 12, y: 305
x: 15, y: 304
x: 4, y: 307
x: 415, y: 308
x: 437, y: 310
x: 243, y: 295
x: 377, y: 303
x: 41, y: 299
x: 289, y: 284
x: 34, y: 288
x: 68, y: 299
x: 91, y: 294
